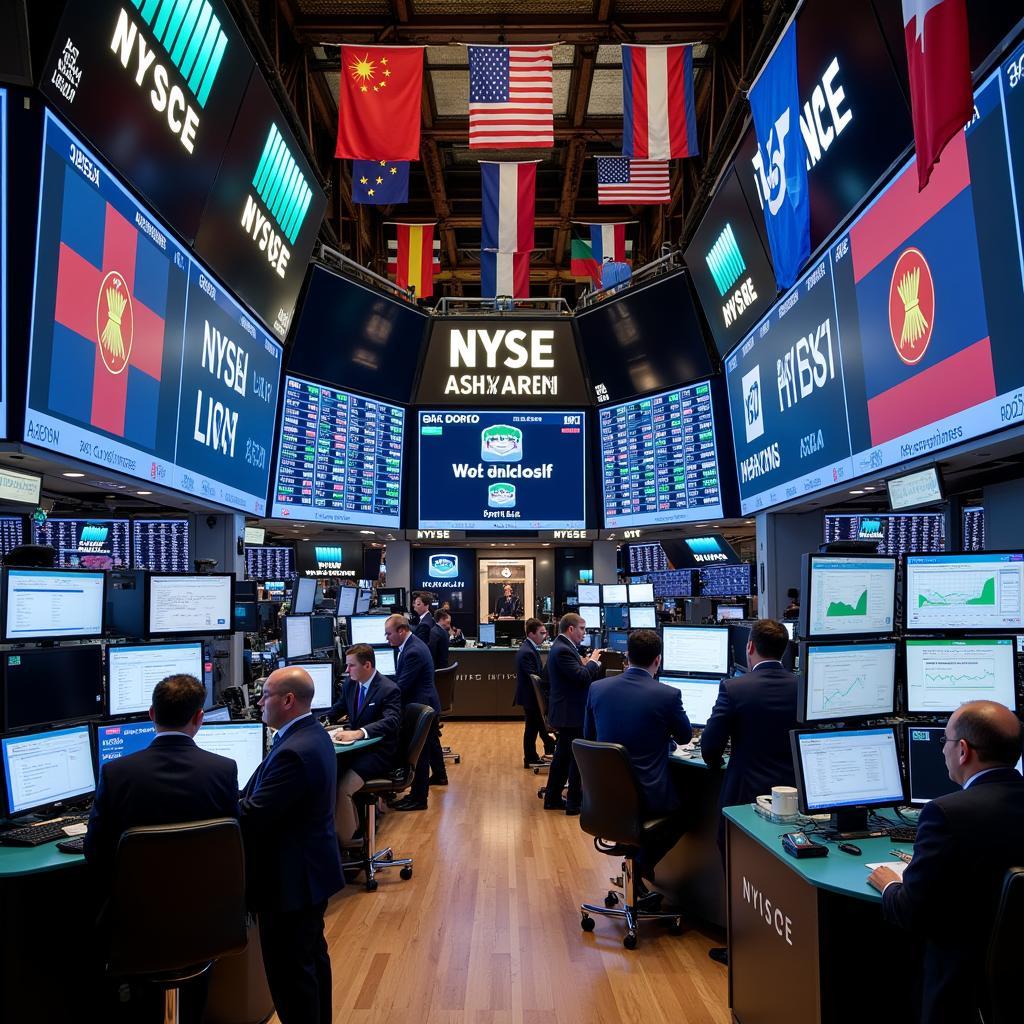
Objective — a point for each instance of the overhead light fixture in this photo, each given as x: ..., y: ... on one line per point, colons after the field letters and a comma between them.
x: 74, y: 476
x: 143, y: 492
x: 368, y: 533
x: 868, y: 487
x: 856, y: 492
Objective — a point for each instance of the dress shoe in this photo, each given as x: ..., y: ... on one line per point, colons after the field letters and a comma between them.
x: 720, y: 954
x: 572, y: 810
x: 439, y: 780
x: 649, y: 902
x: 408, y: 804
x: 554, y: 805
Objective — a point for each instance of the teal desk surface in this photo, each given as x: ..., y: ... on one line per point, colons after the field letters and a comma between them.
x: 839, y: 872
x: 679, y: 756
x: 348, y: 748
x: 31, y: 860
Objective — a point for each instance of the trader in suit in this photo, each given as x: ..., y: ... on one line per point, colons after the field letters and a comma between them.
x: 373, y: 704
x: 292, y: 861
x: 966, y: 840
x: 441, y: 638
x: 569, y: 679
x: 421, y: 602
x: 642, y: 714
x: 527, y: 663
x: 508, y: 606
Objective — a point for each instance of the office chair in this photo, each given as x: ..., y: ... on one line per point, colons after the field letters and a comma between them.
x: 544, y: 764
x: 156, y: 935
x: 417, y: 720
x: 611, y: 813
x: 444, y: 680
x: 1002, y: 964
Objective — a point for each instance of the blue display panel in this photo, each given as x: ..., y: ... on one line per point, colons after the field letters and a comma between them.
x: 340, y: 457
x: 269, y: 563
x: 160, y: 544
x: 658, y: 459
x: 894, y: 534
x: 502, y: 470
x: 140, y: 361
x: 85, y: 543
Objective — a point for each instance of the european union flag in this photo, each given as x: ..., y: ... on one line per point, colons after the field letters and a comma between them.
x: 380, y: 182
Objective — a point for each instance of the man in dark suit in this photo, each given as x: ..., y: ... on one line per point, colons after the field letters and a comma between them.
x: 421, y: 602
x: 528, y: 662
x: 508, y: 606
x: 373, y: 704
x: 441, y: 638
x: 966, y: 840
x: 569, y: 679
x: 292, y: 861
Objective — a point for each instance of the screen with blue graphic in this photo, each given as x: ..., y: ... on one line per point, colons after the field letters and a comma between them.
x: 140, y: 361
x: 893, y: 534
x: 269, y: 563
x: 502, y: 470
x: 339, y: 457
x: 727, y: 580
x: 160, y: 544
x: 86, y: 543
x: 116, y: 739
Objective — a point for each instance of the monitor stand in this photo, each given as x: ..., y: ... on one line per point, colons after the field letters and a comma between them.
x: 851, y: 823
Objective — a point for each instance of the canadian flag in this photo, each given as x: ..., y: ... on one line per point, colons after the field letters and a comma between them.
x: 938, y: 59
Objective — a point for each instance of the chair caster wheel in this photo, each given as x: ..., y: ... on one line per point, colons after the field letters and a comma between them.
x: 405, y: 874
x: 629, y: 940
x: 676, y: 927
x: 536, y: 771
x: 587, y: 923
x: 611, y: 899
x: 371, y: 885
x: 540, y: 793
x: 458, y: 759
x: 390, y: 855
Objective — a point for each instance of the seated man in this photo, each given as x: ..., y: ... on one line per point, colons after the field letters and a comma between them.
x: 965, y: 842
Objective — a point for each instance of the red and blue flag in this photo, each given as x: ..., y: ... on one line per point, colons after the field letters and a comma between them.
x: 659, y: 113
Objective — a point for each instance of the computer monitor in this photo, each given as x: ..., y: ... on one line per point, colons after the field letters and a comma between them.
x: 247, y: 617
x: 179, y: 605
x: 739, y: 636
x: 218, y: 713
x: 944, y: 673
x: 116, y: 739
x: 848, y: 596
x: 49, y: 604
x: 643, y: 618
x: 695, y: 650
x: 298, y: 638
x: 243, y: 742
x: 592, y: 639
x: 384, y: 660
x: 614, y: 593
x: 590, y: 613
x: 133, y: 670
x: 923, y: 487
x: 588, y: 593
x: 617, y: 640
x: 51, y: 684
x: 927, y: 775
x: 363, y: 599
x: 275, y: 587
x: 254, y: 535
x: 303, y: 596
x: 321, y: 632
x: 699, y: 696
x: 846, y: 681
x: 616, y: 616
x: 346, y: 601
x: 392, y: 598
x: 46, y: 768
x: 725, y: 612
x: 487, y: 633
x: 641, y: 593
x: 366, y: 629
x: 322, y: 674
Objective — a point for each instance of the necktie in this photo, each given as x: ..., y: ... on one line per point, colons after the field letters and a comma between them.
x: 362, y: 697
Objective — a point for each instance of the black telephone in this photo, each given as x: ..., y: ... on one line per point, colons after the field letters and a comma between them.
x: 796, y: 844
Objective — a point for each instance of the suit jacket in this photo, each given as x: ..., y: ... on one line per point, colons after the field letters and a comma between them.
x: 756, y: 711
x: 414, y: 674
x: 287, y: 815
x: 568, y: 681
x: 950, y: 890
x: 381, y: 716
x: 423, y: 626
x: 438, y: 642
x: 634, y: 709
x: 527, y: 661
x: 171, y: 781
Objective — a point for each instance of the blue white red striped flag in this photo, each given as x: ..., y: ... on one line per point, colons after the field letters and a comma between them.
x: 659, y: 113
x: 508, y: 206
x: 505, y: 273
x: 510, y: 98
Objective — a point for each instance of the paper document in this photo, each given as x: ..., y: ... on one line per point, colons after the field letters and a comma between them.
x: 894, y: 865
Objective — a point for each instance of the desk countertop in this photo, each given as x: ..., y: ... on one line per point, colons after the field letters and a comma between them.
x: 31, y: 860
x: 348, y: 748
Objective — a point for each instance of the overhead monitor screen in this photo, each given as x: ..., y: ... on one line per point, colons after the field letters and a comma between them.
x: 693, y: 650
x: 160, y: 544
x: 642, y: 618
x: 298, y: 636
x: 943, y: 674
x: 968, y: 591
x: 12, y: 533
x: 322, y: 674
x: 270, y: 563
x: 189, y: 604
x: 973, y: 527
x: 502, y: 470
x: 254, y: 535
x: 46, y: 604
x: 367, y: 629
x: 589, y: 593
x: 847, y: 768
x: 698, y: 696
x: 86, y: 543
x: 645, y: 558
x: 241, y: 741
x: 52, y: 684
x: 893, y: 534
x: 43, y: 768
x: 849, y: 681
x: 915, y: 489
x: 133, y: 670
x: 641, y: 593
x: 728, y: 580
x: 117, y: 739
x: 850, y: 596
x: 614, y: 593
x: 678, y: 583
x: 339, y: 459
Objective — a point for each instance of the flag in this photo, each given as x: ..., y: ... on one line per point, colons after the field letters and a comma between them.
x: 505, y: 273
x: 582, y: 263
x: 508, y: 206
x: 939, y: 65
x: 606, y: 241
x: 510, y: 99
x: 380, y: 182
x: 636, y: 182
x: 379, y: 102
x: 781, y: 160
x: 659, y: 115
x: 414, y: 256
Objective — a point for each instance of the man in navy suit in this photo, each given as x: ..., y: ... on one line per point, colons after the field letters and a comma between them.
x: 373, y: 704
x: 441, y: 638
x: 421, y: 602
x: 569, y: 679
x: 527, y: 663
x: 292, y: 861
x: 966, y: 841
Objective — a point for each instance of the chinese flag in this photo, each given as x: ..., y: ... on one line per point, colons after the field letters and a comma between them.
x: 379, y: 103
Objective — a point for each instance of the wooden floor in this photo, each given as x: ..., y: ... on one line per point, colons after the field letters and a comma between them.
x: 487, y: 931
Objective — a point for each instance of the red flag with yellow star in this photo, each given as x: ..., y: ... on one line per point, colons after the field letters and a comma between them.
x: 379, y: 102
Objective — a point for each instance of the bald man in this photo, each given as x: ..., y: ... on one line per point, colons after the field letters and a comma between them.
x: 965, y: 842
x: 292, y: 861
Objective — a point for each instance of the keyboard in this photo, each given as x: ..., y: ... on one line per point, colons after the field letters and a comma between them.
x: 75, y: 844
x: 44, y: 832
x: 903, y: 833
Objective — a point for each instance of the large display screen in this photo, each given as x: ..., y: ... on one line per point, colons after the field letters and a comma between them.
x: 47, y: 604
x: 12, y: 533
x: 892, y: 534
x: 659, y: 461
x: 339, y: 459
x: 943, y: 674
x: 502, y: 470
x: 140, y: 361
x: 849, y: 596
x: 160, y: 544
x: 134, y: 670
x: 269, y: 563
x: 975, y: 591
x: 973, y: 528
x: 86, y: 543
x: 178, y: 604
x: 645, y: 558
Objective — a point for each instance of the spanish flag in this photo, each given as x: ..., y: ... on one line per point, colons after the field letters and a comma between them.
x: 414, y: 255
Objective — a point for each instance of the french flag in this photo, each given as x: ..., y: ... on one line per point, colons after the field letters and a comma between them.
x: 608, y: 242
x: 508, y: 205
x: 659, y: 115
x: 505, y: 273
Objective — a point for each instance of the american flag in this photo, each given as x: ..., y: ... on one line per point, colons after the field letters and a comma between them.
x: 510, y: 102
x: 621, y: 180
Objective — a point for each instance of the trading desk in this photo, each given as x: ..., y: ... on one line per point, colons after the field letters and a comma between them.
x: 807, y: 942
x: 485, y: 682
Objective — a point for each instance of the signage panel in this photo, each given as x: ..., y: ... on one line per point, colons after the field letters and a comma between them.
x: 448, y: 573
x: 85, y: 543
x: 19, y: 487
x: 327, y: 558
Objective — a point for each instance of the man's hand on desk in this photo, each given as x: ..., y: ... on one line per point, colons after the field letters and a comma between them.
x: 346, y: 735
x: 881, y: 877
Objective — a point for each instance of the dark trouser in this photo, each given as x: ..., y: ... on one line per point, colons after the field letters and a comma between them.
x: 297, y: 964
x: 535, y: 727
x: 658, y: 844
x: 437, y: 766
x: 563, y: 769
x: 429, y: 755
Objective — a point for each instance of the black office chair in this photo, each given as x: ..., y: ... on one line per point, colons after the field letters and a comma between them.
x: 611, y: 813
x: 155, y: 934
x: 444, y: 680
x: 542, y: 702
x: 417, y: 720
x: 1002, y: 965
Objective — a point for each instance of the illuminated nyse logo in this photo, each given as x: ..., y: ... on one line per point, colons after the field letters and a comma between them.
x: 191, y: 36
x: 706, y: 549
x: 285, y: 194
x: 443, y: 567
x: 94, y: 534
x: 501, y: 443
x: 502, y: 351
x: 911, y: 306
x: 727, y: 266
x: 328, y: 557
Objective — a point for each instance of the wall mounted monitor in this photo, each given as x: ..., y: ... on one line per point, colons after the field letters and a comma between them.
x: 964, y: 592
x: 842, y: 682
x: 616, y: 616
x: 322, y: 674
x: 255, y: 535
x: 725, y: 612
x: 47, y: 604
x: 643, y: 618
x: 892, y: 534
x: 695, y: 650
x: 927, y: 776
x: 346, y: 601
x: 641, y: 593
x: 367, y: 629
x: 590, y: 613
x: 298, y: 639
x: 181, y: 604
x: 589, y: 593
x: 847, y: 596
x: 973, y: 527
x: 133, y: 670
x: 678, y: 583
x: 52, y: 684
x: 12, y: 533
x: 915, y: 489
x: 46, y: 768
x: 727, y: 580
x: 303, y: 596
x: 243, y: 742
x: 339, y: 457
x: 161, y: 544
x: 486, y: 633
x: 86, y: 543
x: 698, y: 695
x: 270, y: 563
x: 944, y: 673
x: 614, y: 593
x: 384, y: 660
x: 642, y: 559
x: 117, y: 739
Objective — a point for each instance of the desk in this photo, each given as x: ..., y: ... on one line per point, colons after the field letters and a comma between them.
x: 485, y: 682
x: 807, y: 942
x: 351, y: 748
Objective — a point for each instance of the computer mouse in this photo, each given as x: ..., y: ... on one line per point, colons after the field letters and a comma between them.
x: 850, y: 848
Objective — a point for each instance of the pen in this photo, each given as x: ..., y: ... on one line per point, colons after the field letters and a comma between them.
x: 903, y: 856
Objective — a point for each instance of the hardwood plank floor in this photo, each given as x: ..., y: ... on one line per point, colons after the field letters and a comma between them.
x: 487, y: 930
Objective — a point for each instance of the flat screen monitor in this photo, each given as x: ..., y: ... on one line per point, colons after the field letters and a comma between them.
x: 915, y: 489
x: 617, y: 640
x: 243, y: 742
x: 47, y: 604
x: 12, y: 533
x: 52, y: 684
x: 322, y: 674
x: 177, y: 604
x: 160, y: 544
x: 841, y: 682
x: 616, y: 616
x: 790, y: 628
x: 246, y: 618
x: 590, y: 613
x: 944, y: 673
x: 219, y: 713
x: 892, y: 533
x: 614, y: 593
x: 270, y: 563
x: 47, y: 767
x: 85, y: 543
x: 303, y: 596
x: 739, y: 636
x: 321, y: 632
x: 588, y: 593
x: 699, y: 696
x: 677, y: 583
x: 848, y: 596
x: 963, y: 592
x: 927, y: 775
x: 117, y: 739
x: 366, y: 629
x: 696, y: 650
x: 972, y: 524
x: 346, y: 601
x: 725, y: 612
x: 363, y: 599
x: 642, y: 618
x: 298, y: 636
x: 133, y: 670
x: 727, y: 580
x: 384, y: 660
x: 255, y: 535
x: 593, y: 639
x: 487, y: 633
x: 641, y: 593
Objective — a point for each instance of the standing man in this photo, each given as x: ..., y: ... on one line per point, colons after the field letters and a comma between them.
x: 528, y: 662
x: 441, y: 638
x: 508, y: 606
x: 421, y: 602
x: 293, y: 863
x: 569, y: 679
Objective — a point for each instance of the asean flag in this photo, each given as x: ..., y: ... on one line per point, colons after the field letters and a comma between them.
x: 659, y: 113
x: 923, y: 330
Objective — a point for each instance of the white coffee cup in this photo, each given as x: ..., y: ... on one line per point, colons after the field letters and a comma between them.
x: 782, y: 802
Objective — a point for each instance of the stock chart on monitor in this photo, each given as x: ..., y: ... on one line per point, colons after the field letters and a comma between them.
x: 851, y: 596
x: 967, y: 591
x: 942, y: 674
x: 849, y: 680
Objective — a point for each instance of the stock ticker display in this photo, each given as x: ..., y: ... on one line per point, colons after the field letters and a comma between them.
x: 973, y: 528
x: 86, y: 543
x: 727, y: 580
x: 12, y: 533
x: 160, y: 545
x: 269, y: 563
x: 893, y: 534
x: 645, y: 558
